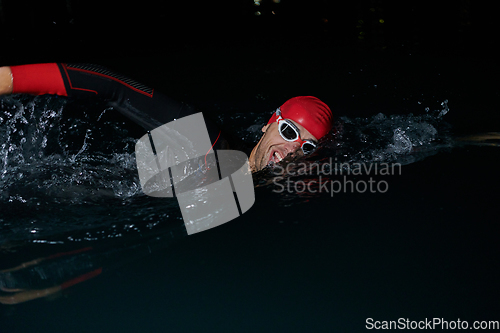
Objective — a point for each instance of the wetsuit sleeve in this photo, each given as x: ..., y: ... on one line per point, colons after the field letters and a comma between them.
x: 134, y: 100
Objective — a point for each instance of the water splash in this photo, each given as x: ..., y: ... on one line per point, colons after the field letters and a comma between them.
x: 68, y: 174
x: 400, y: 139
x: 60, y: 171
x: 45, y: 152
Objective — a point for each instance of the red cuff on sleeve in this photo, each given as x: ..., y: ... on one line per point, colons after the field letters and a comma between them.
x: 38, y: 79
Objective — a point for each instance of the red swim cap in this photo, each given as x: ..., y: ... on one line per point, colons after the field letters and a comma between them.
x: 308, y: 111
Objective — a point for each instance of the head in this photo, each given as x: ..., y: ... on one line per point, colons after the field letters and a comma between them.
x: 310, y: 116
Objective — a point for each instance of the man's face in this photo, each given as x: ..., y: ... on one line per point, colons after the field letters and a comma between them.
x: 273, y: 148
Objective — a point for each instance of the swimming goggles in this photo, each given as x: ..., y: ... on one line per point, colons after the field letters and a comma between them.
x: 289, y: 132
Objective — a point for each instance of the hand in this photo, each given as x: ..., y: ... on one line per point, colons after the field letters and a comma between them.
x: 483, y: 139
x: 5, y: 80
x: 27, y: 295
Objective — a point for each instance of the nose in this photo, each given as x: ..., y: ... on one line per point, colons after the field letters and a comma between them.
x: 291, y: 147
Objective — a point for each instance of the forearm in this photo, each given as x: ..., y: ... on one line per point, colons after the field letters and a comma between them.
x: 5, y: 80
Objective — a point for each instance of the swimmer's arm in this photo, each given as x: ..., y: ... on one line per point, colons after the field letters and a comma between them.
x: 28, y: 295
x: 484, y: 139
x: 135, y: 101
x: 5, y: 80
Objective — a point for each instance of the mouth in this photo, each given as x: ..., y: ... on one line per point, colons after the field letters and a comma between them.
x: 275, y: 157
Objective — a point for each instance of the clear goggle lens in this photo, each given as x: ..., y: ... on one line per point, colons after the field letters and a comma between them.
x: 290, y: 132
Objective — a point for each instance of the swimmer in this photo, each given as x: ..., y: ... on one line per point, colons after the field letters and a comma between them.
x: 294, y: 129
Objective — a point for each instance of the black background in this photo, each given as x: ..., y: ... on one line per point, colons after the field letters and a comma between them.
x: 85, y: 30
x: 428, y: 248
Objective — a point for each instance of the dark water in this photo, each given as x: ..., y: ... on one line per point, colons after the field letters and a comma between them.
x: 296, y: 262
